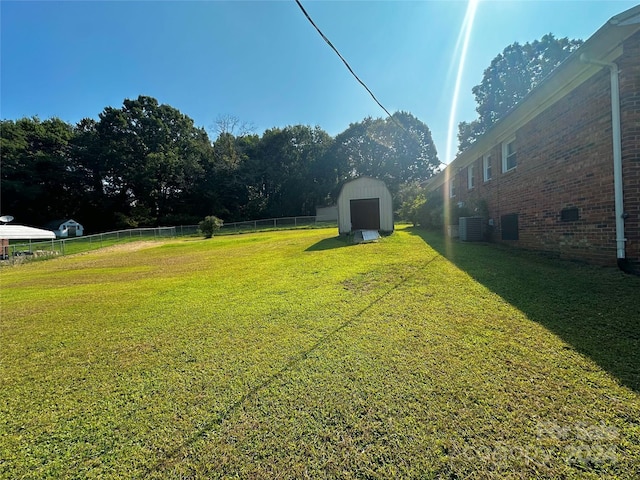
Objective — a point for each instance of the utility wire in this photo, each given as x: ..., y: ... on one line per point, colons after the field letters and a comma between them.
x: 344, y: 61
x: 395, y: 120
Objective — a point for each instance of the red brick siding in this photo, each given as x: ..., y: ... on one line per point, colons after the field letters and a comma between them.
x: 565, y: 160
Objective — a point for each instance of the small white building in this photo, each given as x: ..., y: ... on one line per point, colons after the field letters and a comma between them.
x: 365, y: 204
x: 21, y: 232
x: 327, y: 214
x: 66, y: 228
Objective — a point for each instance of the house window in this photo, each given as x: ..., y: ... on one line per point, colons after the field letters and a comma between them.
x: 452, y: 188
x: 486, y: 167
x: 471, y: 181
x: 509, y: 160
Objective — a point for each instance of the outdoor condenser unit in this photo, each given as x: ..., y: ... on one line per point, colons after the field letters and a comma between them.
x: 470, y: 229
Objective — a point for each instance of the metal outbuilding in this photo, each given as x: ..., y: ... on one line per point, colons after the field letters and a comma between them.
x: 21, y: 232
x: 365, y: 204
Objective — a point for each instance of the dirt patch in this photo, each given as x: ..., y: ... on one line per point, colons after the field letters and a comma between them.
x: 128, y: 246
x: 125, y: 247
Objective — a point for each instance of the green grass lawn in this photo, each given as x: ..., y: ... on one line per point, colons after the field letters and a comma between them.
x: 293, y: 354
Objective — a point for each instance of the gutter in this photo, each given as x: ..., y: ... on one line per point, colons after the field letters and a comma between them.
x: 620, y: 214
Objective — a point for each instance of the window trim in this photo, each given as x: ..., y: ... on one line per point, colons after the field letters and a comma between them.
x: 486, y: 167
x: 505, y: 159
x: 471, y: 179
x: 452, y: 188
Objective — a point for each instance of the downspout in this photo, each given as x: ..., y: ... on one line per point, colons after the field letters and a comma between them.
x: 623, y: 263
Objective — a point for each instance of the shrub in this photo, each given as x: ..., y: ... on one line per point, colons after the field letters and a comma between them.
x: 210, y: 225
x: 411, y: 208
x: 430, y: 212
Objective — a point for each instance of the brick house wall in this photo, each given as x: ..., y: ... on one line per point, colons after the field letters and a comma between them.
x: 562, y: 188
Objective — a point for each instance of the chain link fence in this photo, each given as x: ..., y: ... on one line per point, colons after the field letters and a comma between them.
x: 20, y: 251
x: 268, y: 224
x: 281, y: 223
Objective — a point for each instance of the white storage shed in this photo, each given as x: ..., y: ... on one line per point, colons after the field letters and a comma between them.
x: 365, y: 204
x: 66, y: 228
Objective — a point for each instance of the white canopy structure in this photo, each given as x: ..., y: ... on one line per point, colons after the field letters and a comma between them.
x: 21, y: 232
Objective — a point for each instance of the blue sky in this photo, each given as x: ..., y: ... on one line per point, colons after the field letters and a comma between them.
x: 262, y: 61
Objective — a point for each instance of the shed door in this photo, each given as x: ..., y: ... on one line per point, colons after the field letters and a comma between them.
x: 72, y: 231
x: 365, y: 214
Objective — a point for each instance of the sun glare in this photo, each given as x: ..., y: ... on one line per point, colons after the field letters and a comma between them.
x: 462, y: 46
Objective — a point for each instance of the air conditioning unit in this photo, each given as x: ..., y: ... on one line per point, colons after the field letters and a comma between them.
x: 470, y: 229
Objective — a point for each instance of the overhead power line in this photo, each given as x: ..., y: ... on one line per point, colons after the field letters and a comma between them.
x: 342, y: 58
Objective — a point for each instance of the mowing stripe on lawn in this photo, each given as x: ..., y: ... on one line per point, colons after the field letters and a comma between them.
x: 290, y: 365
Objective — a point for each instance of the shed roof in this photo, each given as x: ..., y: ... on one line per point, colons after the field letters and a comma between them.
x: 22, y: 232
x: 365, y: 178
x: 55, y: 224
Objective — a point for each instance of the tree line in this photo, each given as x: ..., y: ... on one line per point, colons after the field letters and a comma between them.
x: 148, y: 164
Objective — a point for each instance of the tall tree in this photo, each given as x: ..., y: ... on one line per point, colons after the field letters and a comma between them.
x: 39, y: 181
x: 153, y: 157
x: 509, y: 78
x: 398, y: 149
x: 96, y: 211
x: 229, y: 176
x: 289, y: 175
x: 227, y: 185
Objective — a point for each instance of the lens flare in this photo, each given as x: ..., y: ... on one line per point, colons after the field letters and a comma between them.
x: 465, y: 35
x: 463, y: 38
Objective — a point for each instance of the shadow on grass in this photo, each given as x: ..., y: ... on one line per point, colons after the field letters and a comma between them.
x: 596, y: 310
x: 331, y: 243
